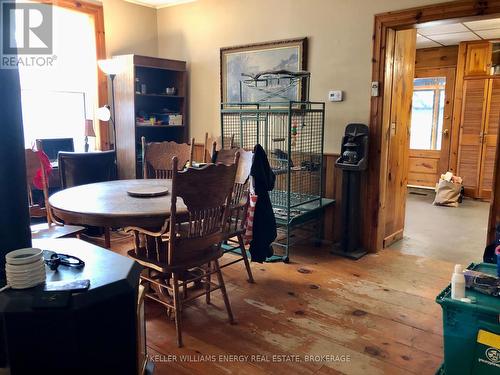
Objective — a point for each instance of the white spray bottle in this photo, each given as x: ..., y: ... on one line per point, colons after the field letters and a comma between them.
x: 458, y: 283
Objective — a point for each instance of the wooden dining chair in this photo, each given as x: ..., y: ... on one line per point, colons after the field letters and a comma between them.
x: 157, y: 157
x: 209, y: 142
x: 81, y: 168
x: 222, y: 155
x: 53, y: 228
x: 207, y: 148
x: 189, y: 254
x: 233, y: 242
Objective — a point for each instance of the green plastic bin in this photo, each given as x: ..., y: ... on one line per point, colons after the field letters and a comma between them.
x: 464, y: 352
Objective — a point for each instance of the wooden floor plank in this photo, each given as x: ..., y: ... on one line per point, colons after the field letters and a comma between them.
x: 346, y: 323
x: 366, y: 295
x: 378, y: 311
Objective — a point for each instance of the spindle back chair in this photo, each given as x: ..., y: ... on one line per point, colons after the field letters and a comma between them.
x: 186, y: 249
x: 157, y: 157
x: 233, y: 242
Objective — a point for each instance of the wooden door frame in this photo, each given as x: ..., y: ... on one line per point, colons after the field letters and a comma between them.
x: 443, y: 13
x: 97, y: 13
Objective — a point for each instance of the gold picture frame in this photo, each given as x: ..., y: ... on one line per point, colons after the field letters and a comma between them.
x: 289, y: 54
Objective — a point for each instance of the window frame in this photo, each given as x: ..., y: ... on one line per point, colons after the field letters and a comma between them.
x: 95, y: 11
x: 438, y: 91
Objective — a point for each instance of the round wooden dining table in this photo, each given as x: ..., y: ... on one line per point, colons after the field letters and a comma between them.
x: 108, y: 204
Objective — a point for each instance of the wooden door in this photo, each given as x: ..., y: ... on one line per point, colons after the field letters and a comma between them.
x: 397, y: 117
x: 474, y: 107
x: 478, y: 60
x: 430, y: 135
x: 494, y: 218
x: 489, y: 140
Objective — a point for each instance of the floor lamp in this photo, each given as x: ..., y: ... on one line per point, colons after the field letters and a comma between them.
x: 110, y: 67
x: 104, y: 114
x: 89, y: 132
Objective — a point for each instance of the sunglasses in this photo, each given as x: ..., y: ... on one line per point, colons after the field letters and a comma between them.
x: 56, y: 260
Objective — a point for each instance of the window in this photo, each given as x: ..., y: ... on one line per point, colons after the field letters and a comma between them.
x: 57, y: 100
x: 427, y: 113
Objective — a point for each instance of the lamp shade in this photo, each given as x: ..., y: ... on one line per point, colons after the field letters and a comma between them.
x: 110, y: 66
x: 103, y: 113
x: 89, y: 128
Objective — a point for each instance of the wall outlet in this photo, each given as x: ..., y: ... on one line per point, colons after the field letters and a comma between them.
x: 335, y: 95
x: 375, y: 88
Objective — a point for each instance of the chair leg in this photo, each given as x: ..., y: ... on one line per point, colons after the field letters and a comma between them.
x: 224, y: 292
x: 245, y: 258
x: 148, y: 284
x: 207, y: 284
x: 178, y: 309
x: 107, y: 238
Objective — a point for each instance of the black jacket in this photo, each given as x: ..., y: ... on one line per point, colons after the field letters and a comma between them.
x: 264, y: 223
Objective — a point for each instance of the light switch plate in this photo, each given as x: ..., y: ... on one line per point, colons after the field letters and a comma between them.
x: 335, y: 95
x: 375, y: 86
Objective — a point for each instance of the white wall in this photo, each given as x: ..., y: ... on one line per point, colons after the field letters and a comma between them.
x: 340, y: 49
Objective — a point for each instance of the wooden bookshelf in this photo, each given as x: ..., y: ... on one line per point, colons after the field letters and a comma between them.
x: 156, y: 74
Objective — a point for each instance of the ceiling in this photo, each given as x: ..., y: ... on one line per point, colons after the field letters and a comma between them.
x: 157, y: 4
x: 453, y: 34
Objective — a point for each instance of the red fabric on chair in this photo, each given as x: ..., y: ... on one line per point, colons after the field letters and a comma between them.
x: 44, y: 159
x: 249, y: 220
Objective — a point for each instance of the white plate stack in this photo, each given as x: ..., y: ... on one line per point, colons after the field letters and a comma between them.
x: 25, y: 268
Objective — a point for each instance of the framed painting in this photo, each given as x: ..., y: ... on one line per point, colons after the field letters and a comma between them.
x: 237, y: 64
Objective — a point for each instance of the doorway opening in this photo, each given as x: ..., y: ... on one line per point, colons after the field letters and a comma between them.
x: 430, y: 125
x: 419, y: 142
x: 454, y: 234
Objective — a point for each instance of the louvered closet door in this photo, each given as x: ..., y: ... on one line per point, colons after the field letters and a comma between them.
x: 489, y: 141
x: 471, y: 126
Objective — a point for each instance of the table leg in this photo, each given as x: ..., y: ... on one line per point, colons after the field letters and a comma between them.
x: 107, y: 238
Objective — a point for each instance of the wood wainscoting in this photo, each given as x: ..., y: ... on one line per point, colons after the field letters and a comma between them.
x: 437, y: 57
x: 332, y: 188
x: 423, y: 167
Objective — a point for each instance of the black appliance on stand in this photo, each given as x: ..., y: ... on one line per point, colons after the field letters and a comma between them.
x: 352, y: 160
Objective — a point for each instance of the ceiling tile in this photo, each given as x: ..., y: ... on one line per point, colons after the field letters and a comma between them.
x: 455, y: 38
x: 489, y: 34
x: 484, y: 24
x: 443, y: 29
x: 423, y: 42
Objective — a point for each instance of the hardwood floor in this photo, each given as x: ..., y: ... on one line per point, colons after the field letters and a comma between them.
x: 378, y: 314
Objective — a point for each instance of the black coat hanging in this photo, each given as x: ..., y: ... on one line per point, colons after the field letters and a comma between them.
x: 264, y: 224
